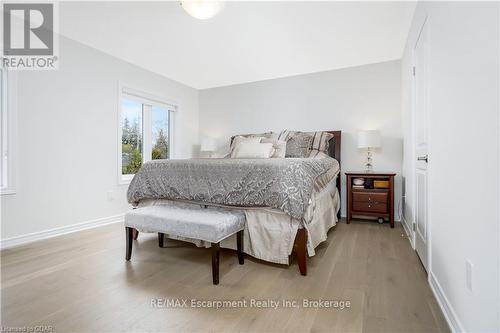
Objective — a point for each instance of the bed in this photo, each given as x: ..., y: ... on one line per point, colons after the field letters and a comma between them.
x: 290, y: 203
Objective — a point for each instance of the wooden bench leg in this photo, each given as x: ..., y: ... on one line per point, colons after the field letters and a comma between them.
x: 215, y: 262
x: 136, y: 233
x: 239, y: 246
x: 129, y: 235
x: 161, y: 239
x: 301, y: 250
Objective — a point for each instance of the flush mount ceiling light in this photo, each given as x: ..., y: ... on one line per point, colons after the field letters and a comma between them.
x: 202, y: 9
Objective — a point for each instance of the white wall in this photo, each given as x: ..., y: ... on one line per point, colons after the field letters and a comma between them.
x: 365, y: 97
x: 67, y: 139
x: 463, y: 156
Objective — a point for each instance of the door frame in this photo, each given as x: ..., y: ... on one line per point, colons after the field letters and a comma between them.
x: 423, y: 23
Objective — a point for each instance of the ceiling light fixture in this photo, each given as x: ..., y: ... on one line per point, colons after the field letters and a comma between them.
x: 202, y: 9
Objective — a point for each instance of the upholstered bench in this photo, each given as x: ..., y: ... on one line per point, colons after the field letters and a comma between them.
x: 188, y: 221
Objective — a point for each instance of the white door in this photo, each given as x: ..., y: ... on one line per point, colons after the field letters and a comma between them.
x: 420, y: 75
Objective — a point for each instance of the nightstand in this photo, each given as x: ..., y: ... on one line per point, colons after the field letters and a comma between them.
x: 374, y: 198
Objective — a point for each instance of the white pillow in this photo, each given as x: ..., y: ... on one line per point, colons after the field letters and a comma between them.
x: 253, y: 150
x: 239, y: 139
x: 278, y: 145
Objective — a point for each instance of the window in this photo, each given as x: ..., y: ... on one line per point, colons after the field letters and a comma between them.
x: 132, y: 151
x: 8, y: 128
x: 145, y: 131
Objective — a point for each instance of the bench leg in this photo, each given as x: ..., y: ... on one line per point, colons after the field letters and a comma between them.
x: 215, y: 262
x: 136, y: 233
x: 239, y: 246
x: 161, y: 238
x: 129, y: 235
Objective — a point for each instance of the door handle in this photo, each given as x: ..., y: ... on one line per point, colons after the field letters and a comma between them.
x: 423, y: 158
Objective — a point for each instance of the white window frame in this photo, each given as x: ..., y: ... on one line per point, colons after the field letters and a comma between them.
x: 8, y: 137
x: 149, y: 100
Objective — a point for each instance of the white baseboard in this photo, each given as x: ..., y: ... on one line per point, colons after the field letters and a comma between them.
x: 404, y: 223
x: 450, y: 314
x: 35, y: 236
x: 408, y: 231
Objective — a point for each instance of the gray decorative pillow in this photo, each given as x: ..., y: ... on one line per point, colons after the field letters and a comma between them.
x: 320, y: 141
x: 284, y: 135
x: 298, y: 144
x: 313, y: 153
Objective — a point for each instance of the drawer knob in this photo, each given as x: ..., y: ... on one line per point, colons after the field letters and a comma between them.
x: 369, y: 206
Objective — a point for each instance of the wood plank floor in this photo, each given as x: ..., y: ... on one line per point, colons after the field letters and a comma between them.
x: 81, y: 283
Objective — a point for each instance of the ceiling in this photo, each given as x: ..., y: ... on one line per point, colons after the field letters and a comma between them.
x: 247, y: 41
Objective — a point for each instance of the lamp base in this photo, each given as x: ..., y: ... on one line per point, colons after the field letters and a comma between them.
x: 368, y: 164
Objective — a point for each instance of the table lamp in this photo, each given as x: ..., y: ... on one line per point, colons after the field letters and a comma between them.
x: 209, y: 145
x: 368, y: 140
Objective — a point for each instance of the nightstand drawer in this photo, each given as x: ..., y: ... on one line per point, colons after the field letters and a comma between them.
x: 365, y: 206
x: 369, y: 197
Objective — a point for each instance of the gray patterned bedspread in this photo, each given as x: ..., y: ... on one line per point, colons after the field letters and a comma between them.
x: 282, y: 183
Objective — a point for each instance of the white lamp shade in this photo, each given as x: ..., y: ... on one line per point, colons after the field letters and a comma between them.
x: 202, y: 9
x: 208, y: 144
x: 369, y: 139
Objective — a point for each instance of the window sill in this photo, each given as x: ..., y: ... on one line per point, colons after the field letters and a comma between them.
x: 125, y: 179
x: 7, y: 191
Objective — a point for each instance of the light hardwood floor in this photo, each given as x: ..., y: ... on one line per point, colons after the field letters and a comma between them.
x: 82, y: 283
